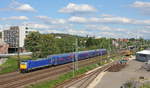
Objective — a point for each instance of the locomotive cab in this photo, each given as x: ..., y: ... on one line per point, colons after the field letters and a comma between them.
x: 23, y: 66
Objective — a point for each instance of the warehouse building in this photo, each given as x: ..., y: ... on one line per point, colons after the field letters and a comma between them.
x: 143, y: 56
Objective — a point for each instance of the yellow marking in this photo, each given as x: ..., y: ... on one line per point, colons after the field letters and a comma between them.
x: 23, y: 66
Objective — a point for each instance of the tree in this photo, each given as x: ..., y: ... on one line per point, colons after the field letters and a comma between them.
x: 32, y: 43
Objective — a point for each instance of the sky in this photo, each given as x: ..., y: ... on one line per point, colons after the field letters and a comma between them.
x: 99, y: 18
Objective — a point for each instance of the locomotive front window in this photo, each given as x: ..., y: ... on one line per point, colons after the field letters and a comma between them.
x: 23, y: 62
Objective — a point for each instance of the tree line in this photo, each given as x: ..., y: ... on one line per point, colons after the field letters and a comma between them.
x: 43, y: 45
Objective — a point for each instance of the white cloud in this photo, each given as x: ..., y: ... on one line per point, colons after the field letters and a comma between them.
x: 42, y: 17
x: 147, y: 27
x: 37, y: 26
x: 143, y: 22
x: 99, y: 20
x: 110, y: 34
x: 51, y: 20
x: 116, y: 19
x: 66, y: 31
x: 42, y: 26
x: 18, y: 18
x: 106, y: 15
x: 78, y: 19
x: 55, y: 31
x: 104, y: 28
x: 75, y: 8
x: 17, y: 6
x: 144, y: 7
x: 140, y: 4
x: 25, y: 7
x: 15, y: 18
x: 145, y: 31
x: 78, y: 32
x: 111, y: 20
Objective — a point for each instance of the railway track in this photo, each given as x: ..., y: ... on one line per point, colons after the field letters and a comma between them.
x: 9, y: 75
x: 17, y: 80
x: 84, y: 81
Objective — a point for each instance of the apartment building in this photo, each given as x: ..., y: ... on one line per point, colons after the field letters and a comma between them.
x: 15, y: 36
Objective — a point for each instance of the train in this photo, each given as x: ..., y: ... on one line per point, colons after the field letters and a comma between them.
x: 59, y: 59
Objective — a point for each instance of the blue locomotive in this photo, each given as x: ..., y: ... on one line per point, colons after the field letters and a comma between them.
x: 58, y: 59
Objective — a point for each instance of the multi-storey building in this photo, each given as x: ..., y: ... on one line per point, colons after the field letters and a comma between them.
x: 15, y: 36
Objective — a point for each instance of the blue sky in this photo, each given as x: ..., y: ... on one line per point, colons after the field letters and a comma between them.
x: 100, y: 18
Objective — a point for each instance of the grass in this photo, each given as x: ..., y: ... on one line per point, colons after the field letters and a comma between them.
x: 145, y: 86
x: 132, y: 84
x: 67, y: 76
x: 62, y: 78
x: 11, y: 64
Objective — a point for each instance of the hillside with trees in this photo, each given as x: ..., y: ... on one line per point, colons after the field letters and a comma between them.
x: 43, y: 45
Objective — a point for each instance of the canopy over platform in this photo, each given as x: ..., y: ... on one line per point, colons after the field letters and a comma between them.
x: 143, y: 55
x: 147, y: 52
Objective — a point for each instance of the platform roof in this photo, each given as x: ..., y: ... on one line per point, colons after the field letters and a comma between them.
x: 144, y: 52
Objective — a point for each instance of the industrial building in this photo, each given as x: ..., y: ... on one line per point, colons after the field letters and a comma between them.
x: 15, y: 36
x: 143, y: 56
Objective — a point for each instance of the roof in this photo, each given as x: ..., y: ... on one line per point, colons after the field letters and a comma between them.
x: 144, y: 52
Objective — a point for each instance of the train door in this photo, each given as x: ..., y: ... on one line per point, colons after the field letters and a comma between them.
x: 53, y: 60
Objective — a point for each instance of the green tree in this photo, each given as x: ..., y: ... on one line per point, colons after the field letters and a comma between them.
x: 32, y: 43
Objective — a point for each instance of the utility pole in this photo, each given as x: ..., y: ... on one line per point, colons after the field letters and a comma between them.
x: 100, y: 59
x: 76, y: 54
x: 75, y: 62
x: 109, y: 46
x: 18, y: 50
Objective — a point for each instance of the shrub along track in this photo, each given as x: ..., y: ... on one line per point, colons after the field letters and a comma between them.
x: 15, y: 79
